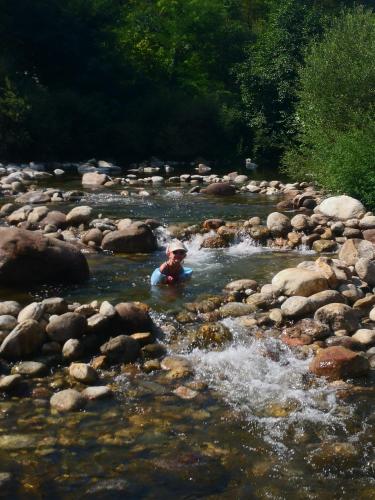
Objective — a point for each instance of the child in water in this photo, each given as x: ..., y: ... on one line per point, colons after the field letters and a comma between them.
x: 172, y: 269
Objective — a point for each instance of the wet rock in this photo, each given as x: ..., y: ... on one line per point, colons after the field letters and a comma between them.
x: 334, y: 456
x: 133, y: 317
x: 365, y: 268
x: 343, y: 341
x: 35, y: 311
x: 355, y: 249
x: 295, y: 281
x: 9, y: 382
x: 278, y: 224
x: 10, y: 307
x: 341, y: 207
x: 152, y: 351
x: 137, y: 238
x: 211, y: 335
x: 83, y: 373
x: 176, y: 363
x: 323, y: 245
x: 338, y: 317
x: 94, y: 179
x: 339, y: 363
x: 69, y: 325
x: 79, y: 215
x: 110, y: 488
x: 27, y: 257
x: 99, y: 362
x: 143, y: 338
x: 67, y: 400
x: 24, y: 340
x: 364, y: 336
x: 184, y: 392
x: 30, y: 369
x: 209, y: 224
x: 314, y: 329
x: 259, y: 233
x: 121, y: 349
x: 19, y: 441
x: 220, y: 189
x: 295, y: 307
x: 215, y: 241
x: 236, y: 309
x: 151, y: 365
x: 97, y: 392
x: 241, y: 285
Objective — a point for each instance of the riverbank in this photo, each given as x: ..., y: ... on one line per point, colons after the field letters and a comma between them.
x: 258, y: 347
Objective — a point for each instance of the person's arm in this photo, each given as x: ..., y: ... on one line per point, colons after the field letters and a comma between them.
x: 163, y: 268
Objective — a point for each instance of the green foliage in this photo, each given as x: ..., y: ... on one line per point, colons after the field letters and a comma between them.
x: 336, y: 110
x: 268, y: 76
x: 13, y: 113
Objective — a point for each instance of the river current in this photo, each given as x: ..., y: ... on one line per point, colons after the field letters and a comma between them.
x: 260, y: 427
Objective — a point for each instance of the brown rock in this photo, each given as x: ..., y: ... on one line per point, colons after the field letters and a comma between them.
x: 219, y: 189
x: 339, y: 363
x: 354, y: 249
x: 134, y: 317
x: 137, y: 238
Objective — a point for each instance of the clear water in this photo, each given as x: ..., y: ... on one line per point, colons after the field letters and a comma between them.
x: 261, y: 429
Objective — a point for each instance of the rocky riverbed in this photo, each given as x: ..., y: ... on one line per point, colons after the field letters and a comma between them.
x: 269, y: 374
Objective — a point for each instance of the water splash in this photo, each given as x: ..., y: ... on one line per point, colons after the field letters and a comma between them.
x: 266, y: 384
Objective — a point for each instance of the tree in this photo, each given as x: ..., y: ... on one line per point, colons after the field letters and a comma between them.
x: 336, y: 109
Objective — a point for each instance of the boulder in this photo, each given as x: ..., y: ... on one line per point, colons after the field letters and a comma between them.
x: 28, y: 257
x: 321, y: 299
x: 295, y: 281
x: 279, y: 224
x: 94, y: 235
x: 338, y: 317
x: 79, y: 215
x: 339, y: 363
x: 136, y: 238
x: 67, y: 400
x: 365, y: 268
x: 10, y: 307
x: 121, y: 349
x: 23, y: 341
x: 355, y: 249
x: 220, y: 189
x: 133, y: 317
x: 93, y: 179
x: 55, y: 305
x: 69, y: 325
x: 341, y: 207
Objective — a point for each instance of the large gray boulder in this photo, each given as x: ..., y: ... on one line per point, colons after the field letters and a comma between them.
x: 136, y: 238
x: 23, y: 341
x: 28, y: 257
x: 341, y: 207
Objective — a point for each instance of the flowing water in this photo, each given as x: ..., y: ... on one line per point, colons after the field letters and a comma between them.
x: 260, y: 427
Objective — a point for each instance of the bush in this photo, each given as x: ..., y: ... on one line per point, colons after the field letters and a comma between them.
x: 336, y: 110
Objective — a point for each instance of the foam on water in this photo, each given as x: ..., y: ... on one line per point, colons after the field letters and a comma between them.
x: 255, y: 376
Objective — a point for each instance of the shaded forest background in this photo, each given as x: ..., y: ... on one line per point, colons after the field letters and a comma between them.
x: 127, y: 79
